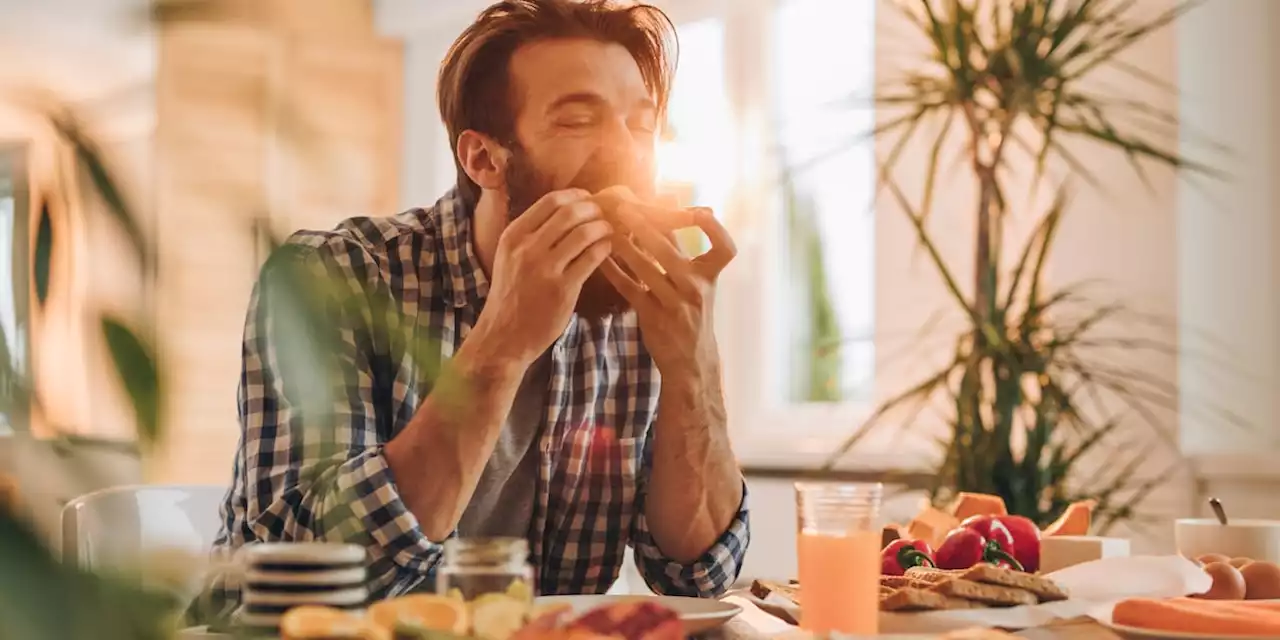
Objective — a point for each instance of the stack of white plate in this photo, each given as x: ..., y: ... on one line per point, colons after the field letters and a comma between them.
x: 280, y: 576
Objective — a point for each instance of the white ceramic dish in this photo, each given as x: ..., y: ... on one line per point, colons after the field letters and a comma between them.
x: 350, y: 576
x: 698, y: 615
x: 1257, y: 539
x: 302, y: 553
x: 338, y: 597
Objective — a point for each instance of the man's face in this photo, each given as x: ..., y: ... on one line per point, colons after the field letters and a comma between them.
x: 584, y: 119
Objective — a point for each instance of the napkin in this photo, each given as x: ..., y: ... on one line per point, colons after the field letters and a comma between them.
x: 1095, y: 588
x: 755, y: 623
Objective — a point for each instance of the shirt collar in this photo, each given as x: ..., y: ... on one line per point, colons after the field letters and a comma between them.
x: 467, y: 280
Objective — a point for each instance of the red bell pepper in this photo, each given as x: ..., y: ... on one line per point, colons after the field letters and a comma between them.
x: 992, y: 528
x: 965, y: 547
x: 1026, y: 541
x: 901, y: 555
x: 1018, y: 536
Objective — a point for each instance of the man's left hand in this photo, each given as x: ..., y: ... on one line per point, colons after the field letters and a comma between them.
x: 673, y: 294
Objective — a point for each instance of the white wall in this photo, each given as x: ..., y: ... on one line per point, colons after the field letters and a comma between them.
x: 1229, y: 234
x: 1230, y: 76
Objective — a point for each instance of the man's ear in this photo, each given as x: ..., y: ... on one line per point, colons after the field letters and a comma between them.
x: 484, y: 160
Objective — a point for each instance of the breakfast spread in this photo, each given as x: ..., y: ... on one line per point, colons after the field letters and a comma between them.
x: 932, y: 589
x: 490, y: 617
x: 971, y: 555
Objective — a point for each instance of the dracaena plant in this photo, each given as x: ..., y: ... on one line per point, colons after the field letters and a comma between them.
x: 1011, y: 78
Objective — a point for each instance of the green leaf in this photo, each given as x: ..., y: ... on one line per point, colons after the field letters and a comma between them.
x: 44, y: 599
x: 89, y: 158
x: 139, y: 374
x: 43, y: 258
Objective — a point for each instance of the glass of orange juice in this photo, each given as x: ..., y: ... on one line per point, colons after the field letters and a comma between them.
x: 839, y: 553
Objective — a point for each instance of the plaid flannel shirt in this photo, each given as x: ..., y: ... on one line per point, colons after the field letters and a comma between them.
x: 595, y: 444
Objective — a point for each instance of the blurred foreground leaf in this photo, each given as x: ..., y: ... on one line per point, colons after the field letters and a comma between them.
x: 46, y: 600
x: 43, y: 252
x: 89, y: 159
x: 137, y: 369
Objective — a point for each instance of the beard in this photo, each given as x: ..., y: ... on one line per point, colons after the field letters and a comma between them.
x: 526, y: 185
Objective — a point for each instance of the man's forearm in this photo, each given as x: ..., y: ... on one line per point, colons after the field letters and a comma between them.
x: 438, y: 458
x: 695, y: 486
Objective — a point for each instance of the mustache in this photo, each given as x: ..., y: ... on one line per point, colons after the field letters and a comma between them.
x: 609, y: 168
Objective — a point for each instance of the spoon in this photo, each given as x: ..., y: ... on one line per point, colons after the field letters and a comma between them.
x: 1218, y: 511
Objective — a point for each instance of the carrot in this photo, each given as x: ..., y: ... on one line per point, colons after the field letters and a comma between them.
x: 1197, y: 616
x: 1255, y: 606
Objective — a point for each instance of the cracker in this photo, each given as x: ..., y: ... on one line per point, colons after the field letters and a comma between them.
x: 910, y: 599
x: 1044, y: 589
x: 996, y: 596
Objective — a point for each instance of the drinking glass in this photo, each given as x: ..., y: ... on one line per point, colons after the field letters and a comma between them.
x: 839, y: 553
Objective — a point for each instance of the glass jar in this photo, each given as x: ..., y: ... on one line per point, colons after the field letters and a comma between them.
x: 474, y: 567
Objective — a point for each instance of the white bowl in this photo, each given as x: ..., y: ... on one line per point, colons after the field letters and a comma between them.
x: 1256, y: 539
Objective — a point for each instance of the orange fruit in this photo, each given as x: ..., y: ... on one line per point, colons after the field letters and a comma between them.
x: 422, y: 610
x: 309, y: 621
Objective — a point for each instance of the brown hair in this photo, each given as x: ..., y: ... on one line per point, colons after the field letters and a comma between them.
x: 473, y: 88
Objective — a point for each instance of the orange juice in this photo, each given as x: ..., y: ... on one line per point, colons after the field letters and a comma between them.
x: 840, y: 579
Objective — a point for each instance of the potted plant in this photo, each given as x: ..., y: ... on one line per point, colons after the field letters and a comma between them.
x: 1012, y: 79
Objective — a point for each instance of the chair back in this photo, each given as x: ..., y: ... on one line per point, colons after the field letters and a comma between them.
x: 119, y: 526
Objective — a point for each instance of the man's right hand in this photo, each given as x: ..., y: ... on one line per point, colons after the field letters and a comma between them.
x: 543, y: 258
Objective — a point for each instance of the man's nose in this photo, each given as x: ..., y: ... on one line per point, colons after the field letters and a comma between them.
x: 619, y: 138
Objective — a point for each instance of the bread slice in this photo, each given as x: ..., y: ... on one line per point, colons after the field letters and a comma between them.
x: 1044, y: 589
x: 989, y: 594
x: 762, y: 588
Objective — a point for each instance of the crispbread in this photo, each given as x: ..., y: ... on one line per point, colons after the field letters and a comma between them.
x: 1044, y: 589
x: 898, y: 582
x: 909, y: 599
x: 931, y: 575
x: 994, y: 595
x: 762, y: 588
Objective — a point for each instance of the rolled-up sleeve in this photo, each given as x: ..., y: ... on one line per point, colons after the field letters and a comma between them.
x: 313, y: 466
x: 712, y: 574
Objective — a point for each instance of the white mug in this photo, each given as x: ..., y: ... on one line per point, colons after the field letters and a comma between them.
x: 1255, y: 539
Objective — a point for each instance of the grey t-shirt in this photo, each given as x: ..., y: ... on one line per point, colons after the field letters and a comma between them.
x: 502, y: 505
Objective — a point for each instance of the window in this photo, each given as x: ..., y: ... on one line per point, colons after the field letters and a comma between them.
x: 828, y: 221
x: 13, y: 201
x: 767, y: 89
